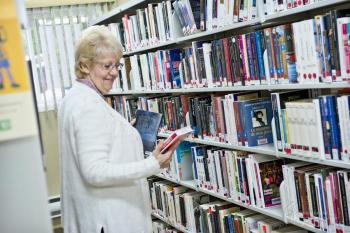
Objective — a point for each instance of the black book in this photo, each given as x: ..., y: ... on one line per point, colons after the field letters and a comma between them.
x: 147, y: 124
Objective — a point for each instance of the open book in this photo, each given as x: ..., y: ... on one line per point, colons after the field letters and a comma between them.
x: 176, y: 136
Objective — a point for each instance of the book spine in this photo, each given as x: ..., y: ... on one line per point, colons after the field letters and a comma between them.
x: 270, y: 54
x: 259, y: 36
x: 334, y: 127
x: 325, y: 127
x: 250, y: 58
x: 227, y: 60
x: 244, y: 71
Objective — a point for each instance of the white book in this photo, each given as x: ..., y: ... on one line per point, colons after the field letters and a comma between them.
x: 140, y: 14
x: 342, y: 124
x: 148, y: 27
x: 342, y: 56
x: 230, y: 173
x: 221, y: 21
x: 153, y: 37
x: 145, y: 71
x: 207, y: 63
x: 170, y: 19
x: 231, y: 4
x: 319, y: 128
x: 347, y: 126
x: 218, y: 172
x: 251, y: 176
x: 161, y: 22
x: 136, y: 77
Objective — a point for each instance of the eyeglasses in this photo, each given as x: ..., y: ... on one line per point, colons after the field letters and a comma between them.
x: 110, y: 66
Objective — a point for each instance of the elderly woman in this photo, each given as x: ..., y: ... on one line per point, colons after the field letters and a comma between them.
x: 103, y: 170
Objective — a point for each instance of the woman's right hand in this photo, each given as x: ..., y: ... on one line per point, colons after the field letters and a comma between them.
x: 164, y: 159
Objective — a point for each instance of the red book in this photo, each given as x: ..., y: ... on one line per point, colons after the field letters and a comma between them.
x: 227, y: 59
x: 176, y: 136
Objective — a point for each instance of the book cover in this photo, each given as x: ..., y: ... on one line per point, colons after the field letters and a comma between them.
x: 257, y: 116
x: 184, y: 161
x: 271, y: 177
x: 147, y: 124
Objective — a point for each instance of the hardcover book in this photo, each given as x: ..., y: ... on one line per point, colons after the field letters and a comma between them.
x: 147, y: 124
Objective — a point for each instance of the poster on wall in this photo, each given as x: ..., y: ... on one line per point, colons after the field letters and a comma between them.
x: 17, y: 116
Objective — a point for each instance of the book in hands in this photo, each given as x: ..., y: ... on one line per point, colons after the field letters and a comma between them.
x: 176, y: 136
x: 147, y: 124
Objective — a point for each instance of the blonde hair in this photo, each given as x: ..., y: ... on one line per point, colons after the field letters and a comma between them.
x: 95, y: 42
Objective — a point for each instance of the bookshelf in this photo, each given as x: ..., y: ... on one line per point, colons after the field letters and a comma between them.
x: 268, y: 149
x: 235, y: 88
x: 276, y: 213
x: 261, y: 22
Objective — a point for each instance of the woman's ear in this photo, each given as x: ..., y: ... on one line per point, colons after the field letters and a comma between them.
x: 84, y: 68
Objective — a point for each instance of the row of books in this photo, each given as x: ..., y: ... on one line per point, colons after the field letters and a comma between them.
x: 148, y: 26
x: 317, y: 195
x: 242, y: 119
x: 167, y: 20
x: 277, y: 55
x: 199, y: 212
x: 252, y: 179
x: 271, y: 7
x: 312, y: 127
x: 295, y: 122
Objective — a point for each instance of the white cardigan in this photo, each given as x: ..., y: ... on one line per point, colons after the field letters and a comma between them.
x: 102, y: 167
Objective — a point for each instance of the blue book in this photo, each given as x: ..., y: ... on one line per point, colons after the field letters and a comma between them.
x: 230, y: 224
x: 184, y: 161
x: 174, y: 62
x: 147, y: 124
x: 257, y: 116
x: 332, y: 115
x: 325, y: 128
x: 194, y: 165
x: 259, y: 52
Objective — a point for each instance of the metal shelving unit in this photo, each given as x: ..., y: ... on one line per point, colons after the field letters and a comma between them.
x: 276, y: 212
x: 263, y: 21
x: 237, y: 88
x: 268, y: 149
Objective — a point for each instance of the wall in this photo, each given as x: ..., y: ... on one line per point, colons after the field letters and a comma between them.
x: 49, y: 133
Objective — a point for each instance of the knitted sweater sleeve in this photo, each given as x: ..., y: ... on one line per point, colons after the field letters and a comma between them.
x: 93, y: 141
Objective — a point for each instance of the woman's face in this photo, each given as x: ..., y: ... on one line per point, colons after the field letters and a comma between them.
x: 104, y: 71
